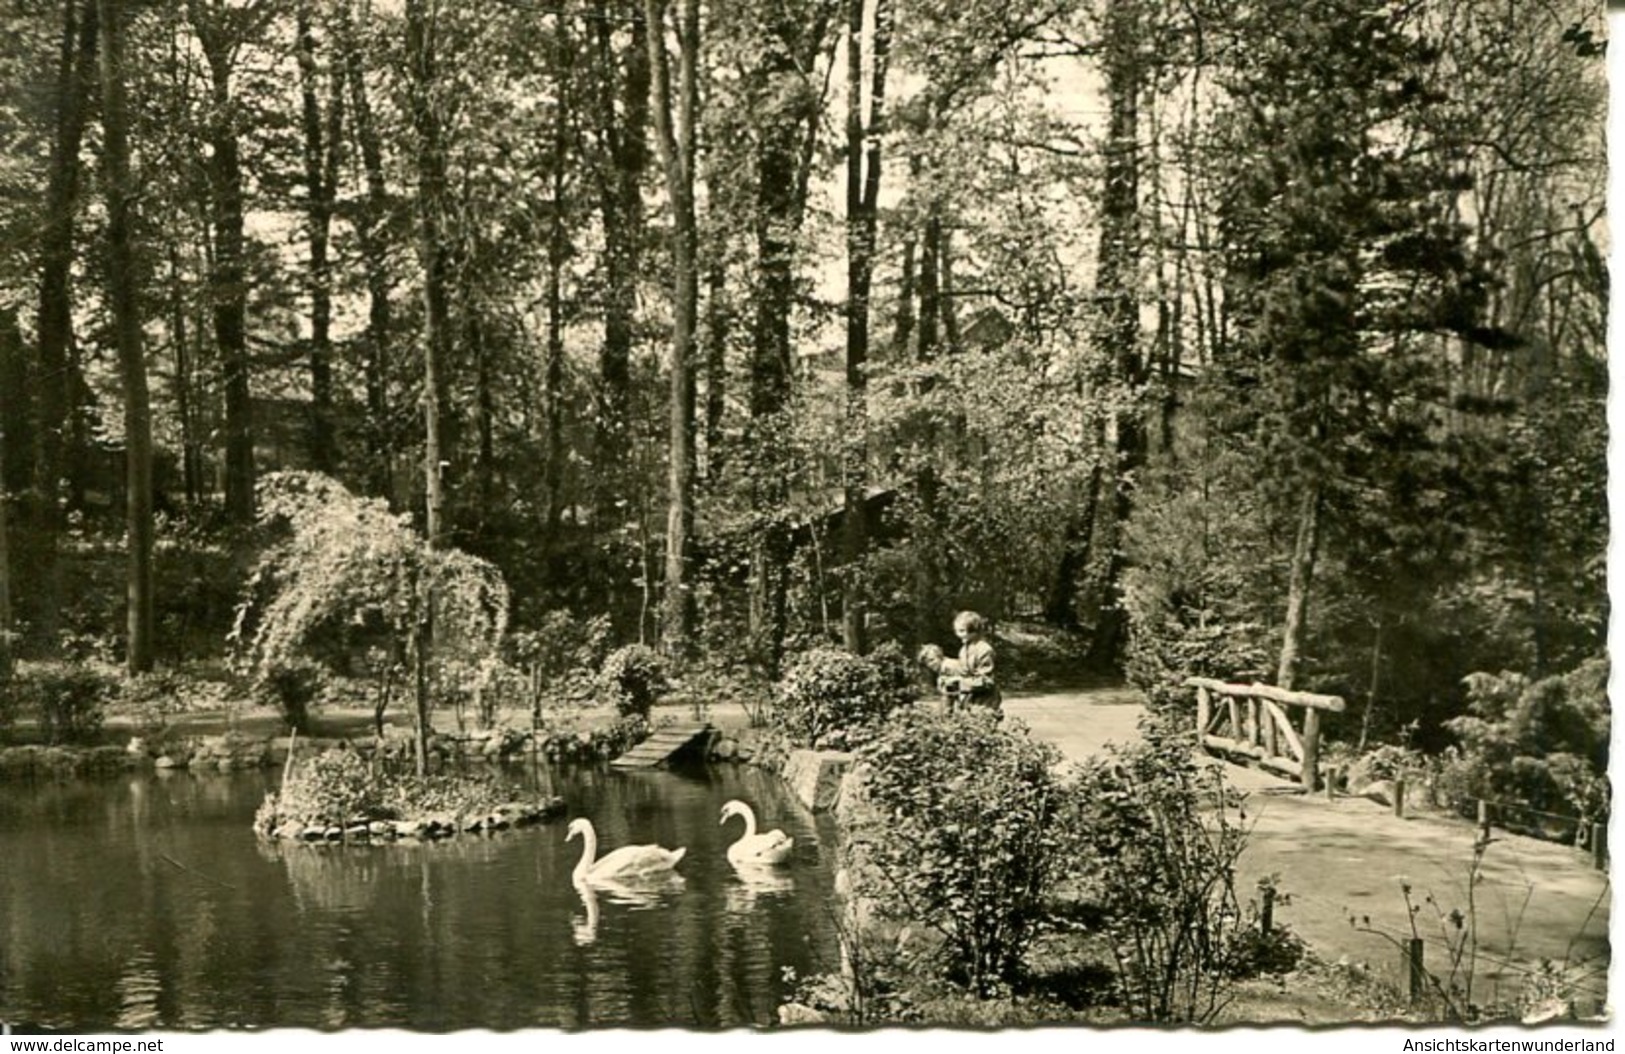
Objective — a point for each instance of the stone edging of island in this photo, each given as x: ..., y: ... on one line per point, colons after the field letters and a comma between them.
x: 425, y: 828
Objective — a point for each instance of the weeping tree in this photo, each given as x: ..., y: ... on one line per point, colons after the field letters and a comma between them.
x: 343, y: 572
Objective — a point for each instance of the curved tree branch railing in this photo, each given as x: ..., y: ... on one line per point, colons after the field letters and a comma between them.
x: 1255, y: 721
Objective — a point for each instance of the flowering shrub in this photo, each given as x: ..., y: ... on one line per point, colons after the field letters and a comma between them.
x: 829, y: 697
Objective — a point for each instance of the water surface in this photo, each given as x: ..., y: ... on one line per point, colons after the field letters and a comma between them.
x: 146, y: 902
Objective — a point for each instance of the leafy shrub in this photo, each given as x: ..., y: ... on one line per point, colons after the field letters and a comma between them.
x: 1541, y: 744
x: 829, y: 697
x: 595, y: 744
x: 560, y: 657
x: 461, y: 793
x: 292, y: 686
x: 633, y: 677
x: 1195, y: 608
x: 11, y: 704
x: 338, y: 787
x: 152, y: 699
x: 332, y: 787
x: 969, y: 841
x: 343, y: 575
x: 1154, y: 847
x: 69, y: 699
x: 1258, y: 954
x: 719, y: 680
x: 1388, y: 761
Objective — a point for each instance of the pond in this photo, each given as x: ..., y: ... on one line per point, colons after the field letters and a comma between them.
x: 146, y: 902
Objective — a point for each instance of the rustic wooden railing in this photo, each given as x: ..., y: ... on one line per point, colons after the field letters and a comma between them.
x: 1253, y: 721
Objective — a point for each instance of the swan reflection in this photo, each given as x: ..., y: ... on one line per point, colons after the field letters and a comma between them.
x: 637, y: 893
x: 755, y: 884
x: 585, y: 930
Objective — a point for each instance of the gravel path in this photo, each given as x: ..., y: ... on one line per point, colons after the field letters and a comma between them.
x: 1350, y: 858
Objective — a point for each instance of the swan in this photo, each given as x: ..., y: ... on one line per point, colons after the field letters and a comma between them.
x: 752, y: 849
x: 627, y: 860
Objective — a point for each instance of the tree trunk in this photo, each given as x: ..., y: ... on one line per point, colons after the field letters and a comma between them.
x: 929, y: 572
x: 558, y: 255
x: 185, y: 409
x: 485, y: 408
x: 862, y: 201
x: 322, y: 150
x: 16, y: 386
x: 717, y: 322
x: 433, y: 255
x: 374, y: 251
x: 1300, y: 586
x: 1118, y: 296
x: 6, y: 654
x: 127, y: 335
x: 781, y: 201
x: 621, y: 205
x: 75, y: 83
x: 675, y: 136
x: 558, y: 248
x: 228, y: 279
x: 422, y: 637
x: 903, y: 336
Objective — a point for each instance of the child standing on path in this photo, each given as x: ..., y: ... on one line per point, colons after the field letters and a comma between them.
x: 969, y: 678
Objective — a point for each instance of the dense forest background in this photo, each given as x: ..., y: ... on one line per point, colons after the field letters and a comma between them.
x: 1252, y: 339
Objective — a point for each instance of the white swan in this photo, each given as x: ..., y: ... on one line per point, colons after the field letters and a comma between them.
x: 752, y: 849
x: 627, y: 860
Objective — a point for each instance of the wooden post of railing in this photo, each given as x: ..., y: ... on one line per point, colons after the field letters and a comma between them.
x: 1415, y: 968
x: 1311, y: 749
x: 1399, y: 797
x: 1599, y: 846
x: 1246, y: 705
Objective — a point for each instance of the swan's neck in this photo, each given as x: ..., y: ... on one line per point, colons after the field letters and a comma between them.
x: 589, y: 850
x: 750, y: 821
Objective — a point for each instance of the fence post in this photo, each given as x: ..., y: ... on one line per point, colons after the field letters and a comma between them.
x: 1399, y: 797
x: 1311, y: 749
x: 1484, y: 818
x: 1332, y: 776
x: 1599, y: 846
x: 1204, y: 715
x: 1413, y: 965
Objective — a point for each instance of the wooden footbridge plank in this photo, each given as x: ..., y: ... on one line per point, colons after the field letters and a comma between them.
x: 662, y: 745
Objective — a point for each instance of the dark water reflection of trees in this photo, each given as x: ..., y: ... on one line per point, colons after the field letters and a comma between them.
x: 146, y: 902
